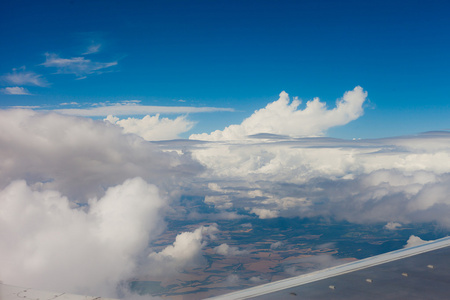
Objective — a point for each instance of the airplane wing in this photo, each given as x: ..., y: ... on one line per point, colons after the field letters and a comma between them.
x: 420, y: 272
x: 10, y: 292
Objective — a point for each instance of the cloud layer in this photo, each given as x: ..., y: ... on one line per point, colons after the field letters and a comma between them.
x: 397, y: 180
x: 284, y: 118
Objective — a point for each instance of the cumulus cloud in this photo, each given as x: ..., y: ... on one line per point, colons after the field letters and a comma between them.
x: 414, y: 241
x: 276, y: 245
x: 79, y: 66
x: 256, y: 280
x: 220, y: 202
x: 392, y: 225
x: 81, y: 157
x: 70, y: 216
x: 232, y: 280
x: 16, y: 90
x: 185, y: 252
x: 283, y: 117
x: 153, y: 128
x: 22, y: 77
x: 226, y: 250
x: 47, y: 243
x: 264, y: 213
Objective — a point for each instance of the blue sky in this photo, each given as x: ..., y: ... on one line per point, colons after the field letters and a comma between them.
x: 233, y: 54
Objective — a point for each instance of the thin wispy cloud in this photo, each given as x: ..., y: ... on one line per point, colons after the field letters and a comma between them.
x: 25, y: 107
x: 16, y: 90
x: 69, y: 103
x: 22, y: 77
x: 79, y: 66
x: 94, y: 48
x: 132, y: 109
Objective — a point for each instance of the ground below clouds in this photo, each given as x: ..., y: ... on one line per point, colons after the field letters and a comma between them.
x: 275, y: 249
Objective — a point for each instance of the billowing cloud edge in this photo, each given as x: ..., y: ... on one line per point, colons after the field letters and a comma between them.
x: 283, y: 117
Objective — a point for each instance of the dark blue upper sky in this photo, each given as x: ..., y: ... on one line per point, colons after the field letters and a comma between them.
x: 238, y: 54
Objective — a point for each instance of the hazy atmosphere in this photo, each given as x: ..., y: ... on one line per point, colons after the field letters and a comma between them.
x: 182, y: 150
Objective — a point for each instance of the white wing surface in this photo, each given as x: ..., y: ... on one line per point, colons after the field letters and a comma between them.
x: 10, y: 292
x: 420, y: 272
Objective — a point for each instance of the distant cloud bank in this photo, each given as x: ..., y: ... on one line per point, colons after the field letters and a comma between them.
x: 396, y: 180
x: 136, y: 109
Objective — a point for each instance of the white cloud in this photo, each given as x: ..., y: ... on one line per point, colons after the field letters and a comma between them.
x: 79, y: 66
x: 223, y: 215
x: 152, y: 128
x: 406, y: 179
x: 264, y: 213
x: 392, y: 225
x: 16, y: 90
x: 94, y: 48
x: 80, y: 157
x: 185, y: 252
x: 414, y: 241
x: 50, y: 245
x: 232, y: 279
x: 276, y: 245
x: 59, y: 236
x: 130, y: 109
x: 310, y: 264
x: 282, y: 117
x: 226, y: 250
x: 22, y: 77
x: 220, y: 202
x: 256, y: 280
